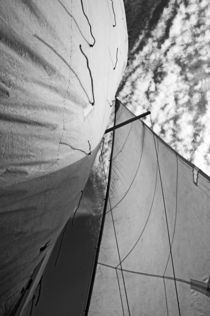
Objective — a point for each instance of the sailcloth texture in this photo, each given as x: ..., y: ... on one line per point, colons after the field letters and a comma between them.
x: 154, y: 257
x: 61, y: 63
x: 60, y: 66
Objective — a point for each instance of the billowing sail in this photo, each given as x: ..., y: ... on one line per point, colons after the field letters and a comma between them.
x: 60, y: 65
x: 154, y: 257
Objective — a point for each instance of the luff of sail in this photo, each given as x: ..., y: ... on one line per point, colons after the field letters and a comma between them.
x: 61, y: 63
x: 154, y: 256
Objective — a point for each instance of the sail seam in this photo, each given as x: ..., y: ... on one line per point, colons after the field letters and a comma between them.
x: 167, y: 226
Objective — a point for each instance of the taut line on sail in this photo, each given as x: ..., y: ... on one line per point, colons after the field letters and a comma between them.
x: 167, y: 225
x: 102, y: 224
x: 117, y: 244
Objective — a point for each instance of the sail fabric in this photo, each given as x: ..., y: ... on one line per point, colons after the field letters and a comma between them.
x: 154, y: 256
x: 65, y: 284
x: 32, y: 216
x: 60, y: 66
x: 61, y: 63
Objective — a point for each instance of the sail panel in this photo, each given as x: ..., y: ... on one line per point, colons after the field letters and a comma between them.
x: 156, y: 228
x: 61, y: 64
x: 32, y: 215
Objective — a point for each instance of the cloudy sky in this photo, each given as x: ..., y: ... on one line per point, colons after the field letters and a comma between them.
x: 169, y: 73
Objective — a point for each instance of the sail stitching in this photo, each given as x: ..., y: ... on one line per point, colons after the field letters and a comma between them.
x: 167, y: 226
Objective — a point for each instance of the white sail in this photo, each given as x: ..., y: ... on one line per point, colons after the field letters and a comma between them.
x: 154, y: 257
x: 60, y: 65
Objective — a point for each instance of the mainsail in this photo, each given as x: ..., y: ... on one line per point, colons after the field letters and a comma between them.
x: 154, y: 255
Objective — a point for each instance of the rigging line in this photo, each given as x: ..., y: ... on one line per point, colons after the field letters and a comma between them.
x: 176, y: 209
x: 147, y: 220
x: 123, y: 145
x: 90, y: 73
x: 166, y: 299
x: 91, y: 32
x: 119, y: 257
x: 77, y: 25
x: 167, y: 226
x: 102, y: 227
x: 118, y: 251
x: 118, y: 282
x: 135, y: 175
x: 65, y: 62
x: 151, y: 275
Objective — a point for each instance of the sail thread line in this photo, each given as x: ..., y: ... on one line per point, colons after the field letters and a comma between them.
x: 167, y: 226
x: 121, y: 300
x: 123, y: 145
x: 120, y: 292
x: 135, y: 175
x: 60, y: 244
x: 158, y: 276
x: 146, y: 222
x: 77, y: 25
x: 176, y: 209
x: 166, y: 299
x: 119, y: 257
x: 181, y: 159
